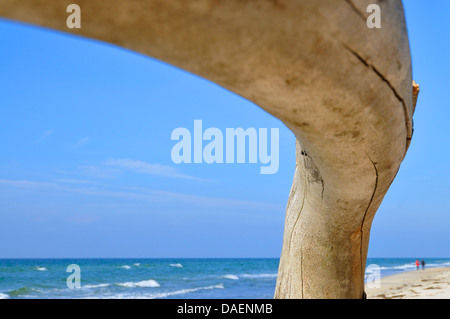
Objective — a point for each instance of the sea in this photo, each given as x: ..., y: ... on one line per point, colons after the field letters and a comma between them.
x: 157, y: 278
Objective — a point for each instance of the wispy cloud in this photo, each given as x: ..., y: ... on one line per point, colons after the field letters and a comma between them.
x: 83, y: 219
x: 81, y: 142
x: 44, y: 135
x: 98, y: 171
x: 206, y: 200
x: 73, y: 181
x: 26, y: 184
x: 159, y: 196
x: 143, y: 194
x: 149, y: 168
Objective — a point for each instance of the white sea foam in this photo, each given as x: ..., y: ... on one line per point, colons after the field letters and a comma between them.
x: 137, y: 264
x: 176, y: 265
x: 400, y: 267
x: 142, y: 284
x: 183, y: 291
x: 232, y: 277
x: 441, y: 264
x: 96, y: 286
x: 156, y: 295
x: 256, y: 276
x: 3, y: 296
x: 412, y: 266
x: 125, y: 267
x: 41, y: 268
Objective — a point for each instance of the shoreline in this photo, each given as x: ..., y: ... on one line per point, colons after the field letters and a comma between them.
x: 430, y: 283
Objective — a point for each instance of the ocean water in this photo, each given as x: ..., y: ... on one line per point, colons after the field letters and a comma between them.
x: 158, y: 278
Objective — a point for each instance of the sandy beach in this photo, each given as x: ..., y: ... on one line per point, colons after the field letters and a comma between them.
x: 431, y: 283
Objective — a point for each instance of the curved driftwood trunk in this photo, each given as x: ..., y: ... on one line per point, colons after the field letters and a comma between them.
x: 342, y: 88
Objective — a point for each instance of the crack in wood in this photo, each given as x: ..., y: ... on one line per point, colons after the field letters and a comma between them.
x: 408, y: 122
x: 365, y: 214
x: 355, y: 9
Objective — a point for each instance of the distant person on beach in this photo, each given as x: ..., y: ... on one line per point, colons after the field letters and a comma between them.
x: 417, y: 264
x: 423, y: 264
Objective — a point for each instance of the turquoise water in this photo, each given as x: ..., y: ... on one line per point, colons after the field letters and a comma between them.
x: 158, y: 278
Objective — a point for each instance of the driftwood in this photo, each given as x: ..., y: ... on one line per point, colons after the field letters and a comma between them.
x: 342, y: 88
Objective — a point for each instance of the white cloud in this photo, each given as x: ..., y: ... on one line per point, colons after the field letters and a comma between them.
x: 25, y: 184
x: 81, y: 142
x: 83, y: 219
x: 207, y: 200
x: 98, y: 172
x: 145, y: 195
x: 165, y: 196
x: 149, y: 168
x: 74, y: 181
x: 44, y: 135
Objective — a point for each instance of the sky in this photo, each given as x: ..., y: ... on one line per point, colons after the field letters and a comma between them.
x: 86, y: 167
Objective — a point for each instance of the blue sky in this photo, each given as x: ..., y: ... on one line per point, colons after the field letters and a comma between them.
x: 85, y: 166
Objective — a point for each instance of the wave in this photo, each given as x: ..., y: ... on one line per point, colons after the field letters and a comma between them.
x: 232, y: 277
x: 96, y: 286
x: 184, y: 291
x: 176, y: 265
x: 141, y: 284
x: 137, y: 264
x: 441, y: 264
x: 399, y: 267
x: 41, y: 268
x: 412, y: 265
x: 158, y: 295
x: 4, y: 296
x: 256, y: 276
x: 125, y: 267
